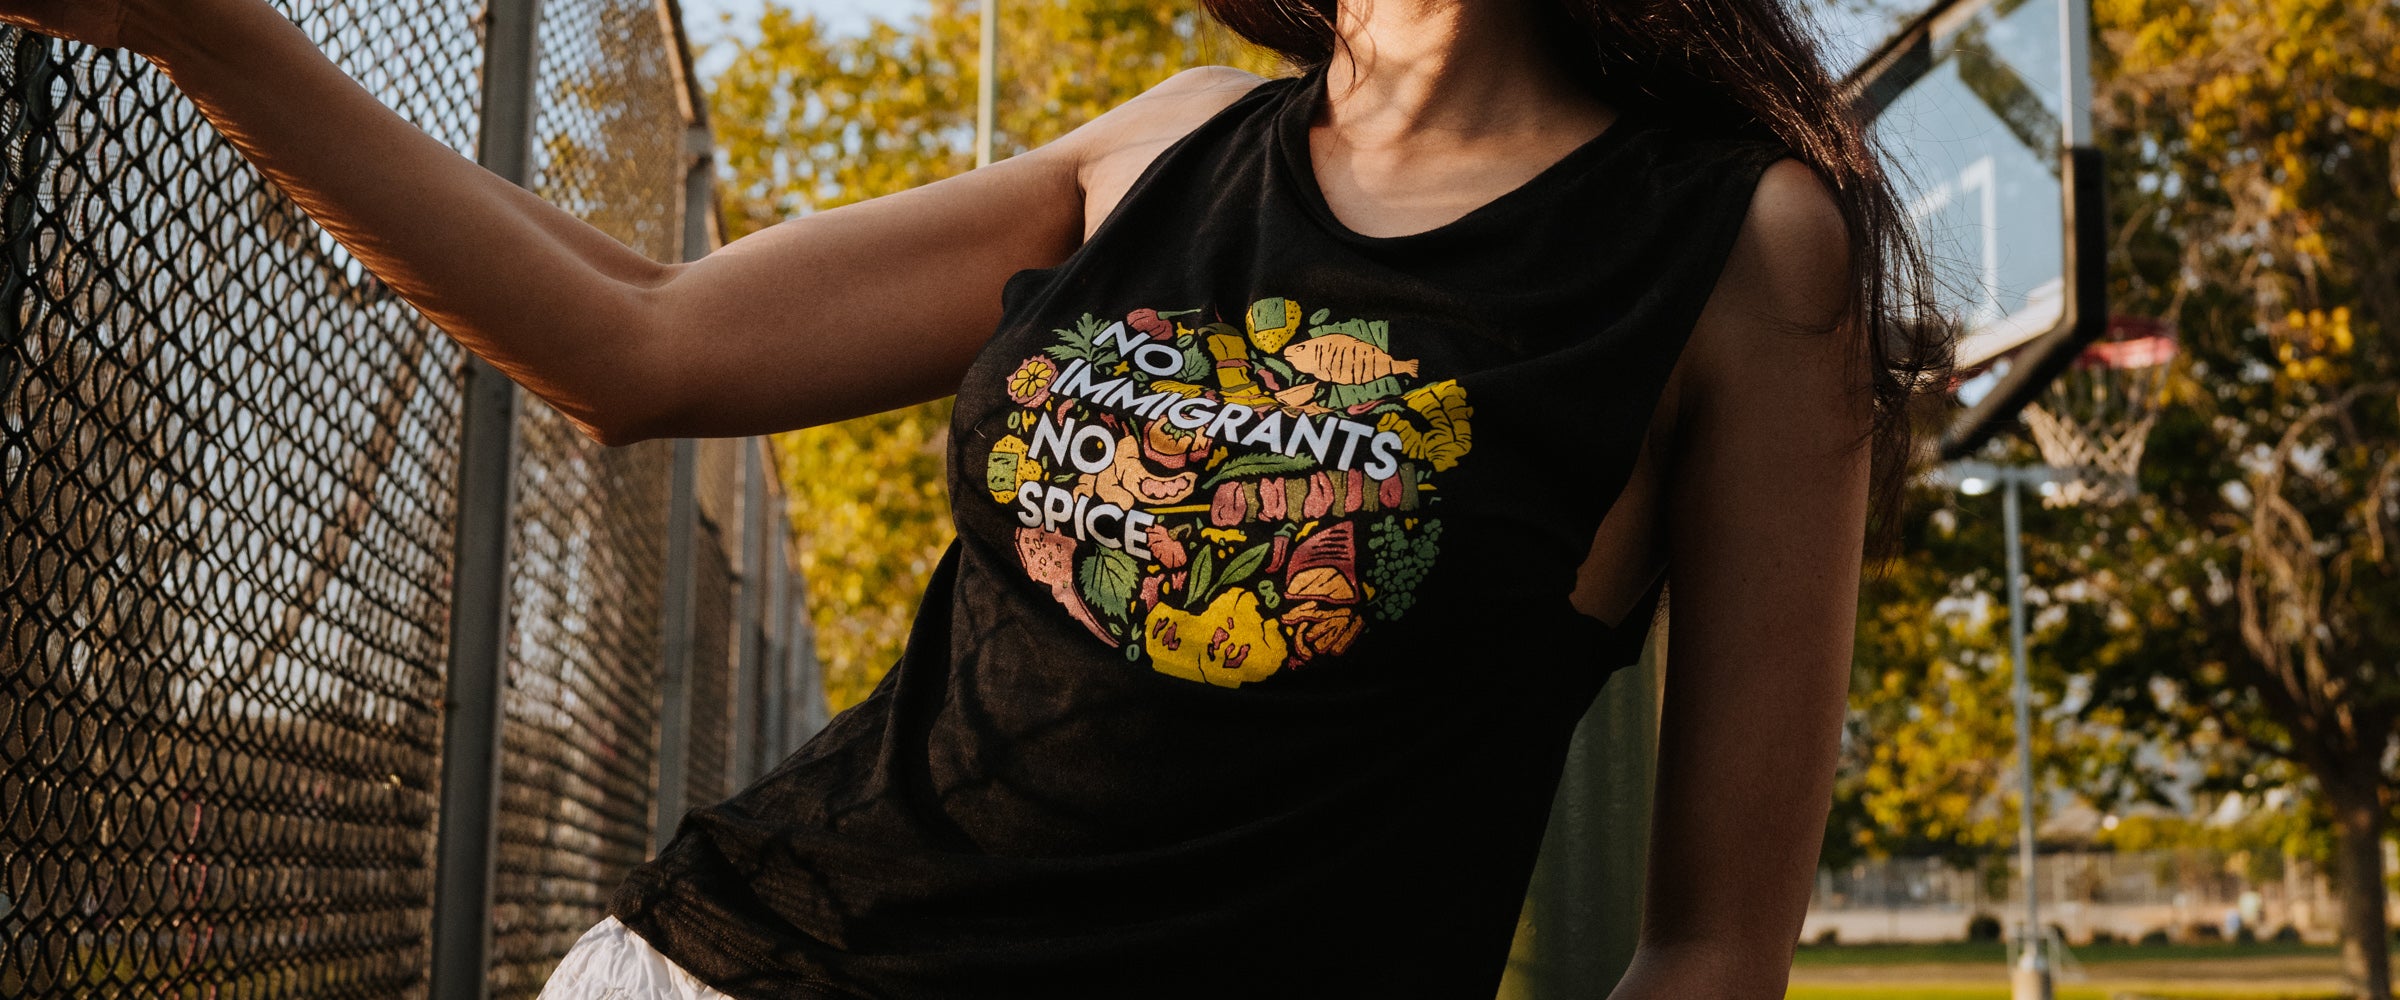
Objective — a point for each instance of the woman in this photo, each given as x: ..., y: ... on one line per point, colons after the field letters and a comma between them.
x: 1322, y: 444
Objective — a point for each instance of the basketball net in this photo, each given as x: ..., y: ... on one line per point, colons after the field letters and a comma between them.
x: 2093, y: 422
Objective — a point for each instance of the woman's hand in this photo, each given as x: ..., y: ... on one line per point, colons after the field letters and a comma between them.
x: 98, y: 23
x: 1766, y: 504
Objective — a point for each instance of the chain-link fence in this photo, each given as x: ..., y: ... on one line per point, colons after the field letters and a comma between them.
x: 242, y: 592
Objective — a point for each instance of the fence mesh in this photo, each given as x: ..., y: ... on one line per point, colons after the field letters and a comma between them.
x: 228, y: 462
x: 227, y: 525
x: 712, y: 666
x: 581, y: 706
x: 583, y: 662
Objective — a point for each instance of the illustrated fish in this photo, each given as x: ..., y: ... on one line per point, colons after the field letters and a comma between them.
x: 1344, y: 359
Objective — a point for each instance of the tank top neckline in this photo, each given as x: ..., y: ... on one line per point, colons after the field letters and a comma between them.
x: 1299, y: 108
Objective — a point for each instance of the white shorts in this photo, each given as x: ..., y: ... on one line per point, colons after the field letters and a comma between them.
x: 611, y: 962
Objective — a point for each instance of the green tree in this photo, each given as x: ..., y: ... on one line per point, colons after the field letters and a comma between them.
x: 2256, y: 594
x: 2245, y: 610
x: 809, y: 119
x: 1930, y: 756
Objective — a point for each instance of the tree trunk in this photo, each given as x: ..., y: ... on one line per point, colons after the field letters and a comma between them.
x: 2366, y: 951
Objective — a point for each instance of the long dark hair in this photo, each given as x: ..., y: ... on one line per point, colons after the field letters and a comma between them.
x: 1738, y: 67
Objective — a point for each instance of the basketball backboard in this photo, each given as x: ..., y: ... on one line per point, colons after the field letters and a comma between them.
x: 1982, y: 108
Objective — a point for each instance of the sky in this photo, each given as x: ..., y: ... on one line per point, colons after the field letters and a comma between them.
x: 700, y: 19
x: 1853, y: 26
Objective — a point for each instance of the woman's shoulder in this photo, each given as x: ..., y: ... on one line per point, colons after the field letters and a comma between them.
x: 1179, y: 103
x: 1113, y: 150
x: 1679, y: 151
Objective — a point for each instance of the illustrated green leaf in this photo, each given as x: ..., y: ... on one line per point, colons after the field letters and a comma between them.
x: 1203, y: 573
x: 1242, y: 566
x: 1108, y: 578
x: 1373, y: 331
x: 1342, y: 396
x: 1196, y: 365
x: 1257, y: 463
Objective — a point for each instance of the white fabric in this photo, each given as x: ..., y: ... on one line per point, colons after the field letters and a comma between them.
x: 611, y: 962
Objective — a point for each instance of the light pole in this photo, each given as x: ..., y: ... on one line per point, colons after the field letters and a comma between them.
x: 2030, y: 978
x: 986, y: 57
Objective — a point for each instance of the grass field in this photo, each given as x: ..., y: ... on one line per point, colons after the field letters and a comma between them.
x: 1995, y: 952
x: 1979, y: 971
x: 2000, y: 992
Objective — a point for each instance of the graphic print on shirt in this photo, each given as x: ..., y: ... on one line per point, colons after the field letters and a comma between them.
x: 1225, y: 501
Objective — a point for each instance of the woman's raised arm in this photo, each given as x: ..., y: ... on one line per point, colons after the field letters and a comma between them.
x: 831, y: 315
x: 1766, y: 501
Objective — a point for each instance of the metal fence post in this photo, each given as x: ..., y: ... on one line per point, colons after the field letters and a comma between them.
x: 814, y: 713
x: 683, y: 536
x: 675, y: 666
x: 466, y: 845
x: 777, y: 627
x: 794, y: 630
x: 749, y: 607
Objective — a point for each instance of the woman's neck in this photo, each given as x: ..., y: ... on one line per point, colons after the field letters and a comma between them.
x: 1418, y: 72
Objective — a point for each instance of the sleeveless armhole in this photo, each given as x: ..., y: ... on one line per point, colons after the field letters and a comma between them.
x: 1010, y: 292
x: 1621, y: 644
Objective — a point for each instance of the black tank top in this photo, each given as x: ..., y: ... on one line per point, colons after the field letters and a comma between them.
x: 1252, y: 668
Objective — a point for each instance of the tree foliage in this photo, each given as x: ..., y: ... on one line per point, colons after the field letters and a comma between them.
x: 1930, y: 755
x: 2260, y: 201
x: 808, y: 119
x: 2244, y: 611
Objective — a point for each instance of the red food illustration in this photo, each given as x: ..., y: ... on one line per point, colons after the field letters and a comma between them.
x: 1049, y: 558
x: 1165, y: 548
x: 1148, y: 321
x: 1226, y: 511
x: 1324, y: 567
x: 1320, y: 496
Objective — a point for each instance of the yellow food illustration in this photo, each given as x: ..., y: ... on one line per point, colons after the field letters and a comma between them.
x: 1447, y: 435
x: 1273, y: 322
x: 1233, y: 369
x: 1342, y: 358
x: 1229, y: 644
x: 1030, y: 383
x: 1007, y: 469
x: 1412, y: 443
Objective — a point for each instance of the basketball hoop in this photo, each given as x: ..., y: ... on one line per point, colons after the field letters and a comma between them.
x: 2092, y: 423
